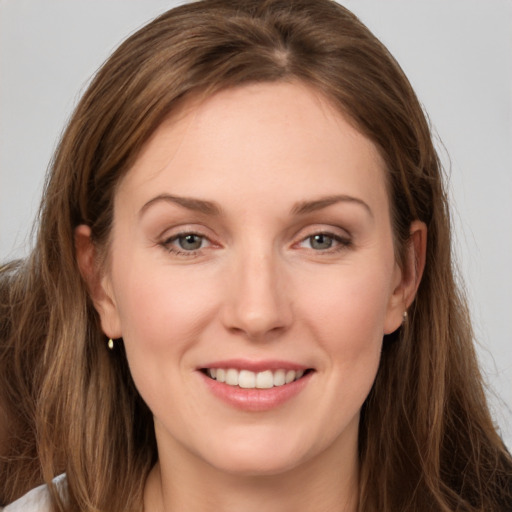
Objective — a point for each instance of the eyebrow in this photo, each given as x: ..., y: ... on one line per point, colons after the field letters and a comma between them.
x: 304, y: 207
x: 196, y: 205
x: 212, y: 208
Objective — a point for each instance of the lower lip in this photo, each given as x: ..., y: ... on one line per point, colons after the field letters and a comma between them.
x: 256, y: 400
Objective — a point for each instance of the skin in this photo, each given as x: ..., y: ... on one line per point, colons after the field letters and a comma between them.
x: 259, y: 287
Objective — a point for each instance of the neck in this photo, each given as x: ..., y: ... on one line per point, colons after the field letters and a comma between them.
x: 328, y: 483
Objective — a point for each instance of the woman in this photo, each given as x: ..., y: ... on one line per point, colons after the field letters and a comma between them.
x: 244, y: 247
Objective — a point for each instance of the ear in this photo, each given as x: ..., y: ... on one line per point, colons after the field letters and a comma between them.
x: 408, y: 278
x: 98, y: 282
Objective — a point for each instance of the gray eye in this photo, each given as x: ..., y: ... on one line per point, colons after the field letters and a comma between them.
x: 190, y: 242
x: 321, y: 241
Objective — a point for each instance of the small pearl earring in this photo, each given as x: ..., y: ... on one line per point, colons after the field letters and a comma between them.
x: 110, y: 344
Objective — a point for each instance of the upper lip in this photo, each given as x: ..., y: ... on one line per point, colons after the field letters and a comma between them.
x: 256, y: 366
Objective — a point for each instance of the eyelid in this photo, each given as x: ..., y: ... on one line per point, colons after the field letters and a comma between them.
x: 168, y: 237
x: 343, y: 239
x: 336, y: 238
x: 326, y: 229
x: 177, y: 236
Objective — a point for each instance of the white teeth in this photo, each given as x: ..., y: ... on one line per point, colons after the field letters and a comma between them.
x: 251, y: 380
x: 247, y: 379
x: 232, y: 377
x: 279, y: 377
x: 264, y: 380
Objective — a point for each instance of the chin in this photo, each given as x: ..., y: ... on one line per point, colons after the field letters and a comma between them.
x: 258, y: 456
x: 254, y: 465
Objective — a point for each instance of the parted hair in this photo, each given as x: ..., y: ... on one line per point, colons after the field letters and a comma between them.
x: 426, y: 439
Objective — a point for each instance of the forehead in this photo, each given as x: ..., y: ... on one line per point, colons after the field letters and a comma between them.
x: 255, y: 137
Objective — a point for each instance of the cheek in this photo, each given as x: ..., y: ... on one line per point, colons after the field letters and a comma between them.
x: 162, y: 314
x: 351, y: 304
x: 346, y: 315
x: 159, y: 308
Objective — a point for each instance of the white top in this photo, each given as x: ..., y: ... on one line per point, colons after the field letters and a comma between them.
x: 36, y: 500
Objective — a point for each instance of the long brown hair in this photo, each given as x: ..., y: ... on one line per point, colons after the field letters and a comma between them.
x: 19, y: 363
x: 427, y: 441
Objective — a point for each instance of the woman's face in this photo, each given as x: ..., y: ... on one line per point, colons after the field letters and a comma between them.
x: 252, y: 243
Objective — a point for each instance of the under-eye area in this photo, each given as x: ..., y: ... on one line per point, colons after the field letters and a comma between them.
x: 248, y: 379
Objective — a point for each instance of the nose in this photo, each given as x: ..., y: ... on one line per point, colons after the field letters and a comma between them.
x: 257, y: 304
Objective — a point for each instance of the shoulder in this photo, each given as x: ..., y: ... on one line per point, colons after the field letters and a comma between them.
x: 37, y: 500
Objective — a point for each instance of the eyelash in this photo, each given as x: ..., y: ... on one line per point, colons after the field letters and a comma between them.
x: 341, y: 243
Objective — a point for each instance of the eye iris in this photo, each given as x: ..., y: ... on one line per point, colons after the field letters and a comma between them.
x: 321, y: 241
x: 190, y: 242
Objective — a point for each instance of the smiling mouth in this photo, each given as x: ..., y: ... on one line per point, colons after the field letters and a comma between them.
x: 247, y: 379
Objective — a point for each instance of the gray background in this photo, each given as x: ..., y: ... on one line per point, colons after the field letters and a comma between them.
x: 457, y: 54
